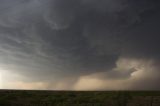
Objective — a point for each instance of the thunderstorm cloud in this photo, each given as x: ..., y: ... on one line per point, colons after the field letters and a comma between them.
x: 80, y: 44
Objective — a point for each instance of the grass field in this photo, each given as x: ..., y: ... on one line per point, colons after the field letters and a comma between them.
x: 70, y: 98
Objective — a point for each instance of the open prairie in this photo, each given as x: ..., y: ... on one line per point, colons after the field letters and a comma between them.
x: 79, y: 98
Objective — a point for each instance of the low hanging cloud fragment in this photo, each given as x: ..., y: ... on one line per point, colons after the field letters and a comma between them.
x: 144, y: 77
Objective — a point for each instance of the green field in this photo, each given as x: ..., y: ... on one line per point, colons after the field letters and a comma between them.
x: 79, y: 98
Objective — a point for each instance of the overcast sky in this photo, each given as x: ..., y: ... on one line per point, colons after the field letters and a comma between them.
x: 80, y: 44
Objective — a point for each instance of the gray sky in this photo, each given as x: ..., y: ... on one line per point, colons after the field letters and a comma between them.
x: 80, y: 45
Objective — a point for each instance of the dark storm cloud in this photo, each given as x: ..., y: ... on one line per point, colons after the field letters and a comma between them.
x: 62, y: 38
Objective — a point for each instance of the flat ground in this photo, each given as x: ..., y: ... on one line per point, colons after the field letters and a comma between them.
x: 79, y: 98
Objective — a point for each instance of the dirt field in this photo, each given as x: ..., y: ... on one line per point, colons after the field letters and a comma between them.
x: 88, y: 98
